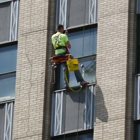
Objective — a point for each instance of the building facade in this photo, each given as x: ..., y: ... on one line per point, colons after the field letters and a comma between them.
x: 34, y: 103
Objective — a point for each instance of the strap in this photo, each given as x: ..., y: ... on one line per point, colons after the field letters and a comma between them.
x: 66, y: 79
x: 56, y: 40
x: 60, y: 47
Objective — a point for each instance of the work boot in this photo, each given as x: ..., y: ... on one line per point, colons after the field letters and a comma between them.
x: 84, y: 83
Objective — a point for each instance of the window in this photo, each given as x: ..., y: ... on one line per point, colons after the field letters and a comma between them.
x: 8, y: 58
x: 86, y: 135
x: 138, y: 7
x: 89, y: 72
x: 72, y: 111
x: 9, y: 19
x: 6, y: 117
x: 86, y: 12
x: 3, y: 0
x: 83, y: 42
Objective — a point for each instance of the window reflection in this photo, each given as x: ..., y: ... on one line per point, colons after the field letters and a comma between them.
x: 88, y: 136
x: 83, y: 42
x: 7, y: 86
x: 8, y: 58
x: 5, y: 9
x: 89, y: 72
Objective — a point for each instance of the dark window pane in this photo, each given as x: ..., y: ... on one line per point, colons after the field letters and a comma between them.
x: 77, y: 12
x: 89, y: 74
x: 69, y: 138
x: 83, y: 42
x: 89, y: 71
x: 138, y: 7
x: 8, y: 58
x: 76, y: 110
x: 74, y: 116
x: 7, y: 86
x: 87, y: 136
x: 5, y: 12
x: 137, y: 131
x: 2, y: 116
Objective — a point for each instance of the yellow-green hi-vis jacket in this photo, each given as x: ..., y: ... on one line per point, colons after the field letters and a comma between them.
x: 59, y: 40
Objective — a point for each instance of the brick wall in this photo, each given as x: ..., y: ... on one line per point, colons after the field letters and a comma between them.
x: 113, y: 69
x: 31, y: 67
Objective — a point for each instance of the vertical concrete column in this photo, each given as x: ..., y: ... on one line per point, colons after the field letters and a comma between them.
x: 31, y: 69
x: 113, y: 69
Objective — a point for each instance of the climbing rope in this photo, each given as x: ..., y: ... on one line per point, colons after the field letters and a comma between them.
x: 53, y: 67
x: 67, y: 82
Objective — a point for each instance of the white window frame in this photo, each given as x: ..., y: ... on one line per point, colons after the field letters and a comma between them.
x: 8, y: 120
x: 14, y: 16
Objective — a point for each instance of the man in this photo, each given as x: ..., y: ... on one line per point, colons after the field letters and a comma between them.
x: 61, y: 43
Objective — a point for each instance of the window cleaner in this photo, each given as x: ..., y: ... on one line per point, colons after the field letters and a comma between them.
x: 61, y: 43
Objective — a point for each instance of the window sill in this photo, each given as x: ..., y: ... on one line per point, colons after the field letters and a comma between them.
x: 5, y: 43
x: 5, y: 1
x: 94, y: 83
x: 7, y: 101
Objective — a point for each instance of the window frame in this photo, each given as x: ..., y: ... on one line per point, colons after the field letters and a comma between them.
x: 70, y: 30
x: 72, y: 134
x: 60, y: 95
x: 62, y: 13
x: 11, y: 72
x: 4, y: 1
x: 56, y: 88
x: 13, y: 33
x: 8, y: 123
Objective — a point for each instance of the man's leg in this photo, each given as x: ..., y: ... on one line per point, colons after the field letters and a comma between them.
x: 67, y: 73
x: 79, y: 78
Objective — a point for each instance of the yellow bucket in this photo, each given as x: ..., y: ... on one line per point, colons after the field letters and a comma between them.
x: 72, y: 64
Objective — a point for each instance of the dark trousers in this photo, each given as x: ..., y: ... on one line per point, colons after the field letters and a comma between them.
x: 77, y: 73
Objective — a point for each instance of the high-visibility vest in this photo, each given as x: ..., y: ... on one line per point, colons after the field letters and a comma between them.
x: 58, y: 41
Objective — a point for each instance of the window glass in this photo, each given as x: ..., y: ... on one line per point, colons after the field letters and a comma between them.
x: 137, y: 131
x: 81, y: 8
x: 89, y: 72
x: 8, y: 58
x: 5, y: 12
x: 86, y: 12
x: 2, y: 112
x: 138, y: 7
x: 7, y: 86
x: 85, y: 136
x: 88, y: 136
x: 83, y: 42
x: 72, y: 111
x: 4, y: 0
x: 6, y: 118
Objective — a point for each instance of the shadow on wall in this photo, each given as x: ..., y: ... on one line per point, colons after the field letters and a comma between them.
x: 100, y: 108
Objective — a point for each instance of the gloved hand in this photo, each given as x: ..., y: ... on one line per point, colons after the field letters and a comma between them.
x: 66, y: 32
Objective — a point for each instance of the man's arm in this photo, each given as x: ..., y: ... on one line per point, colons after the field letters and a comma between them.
x: 68, y: 44
x: 67, y: 41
